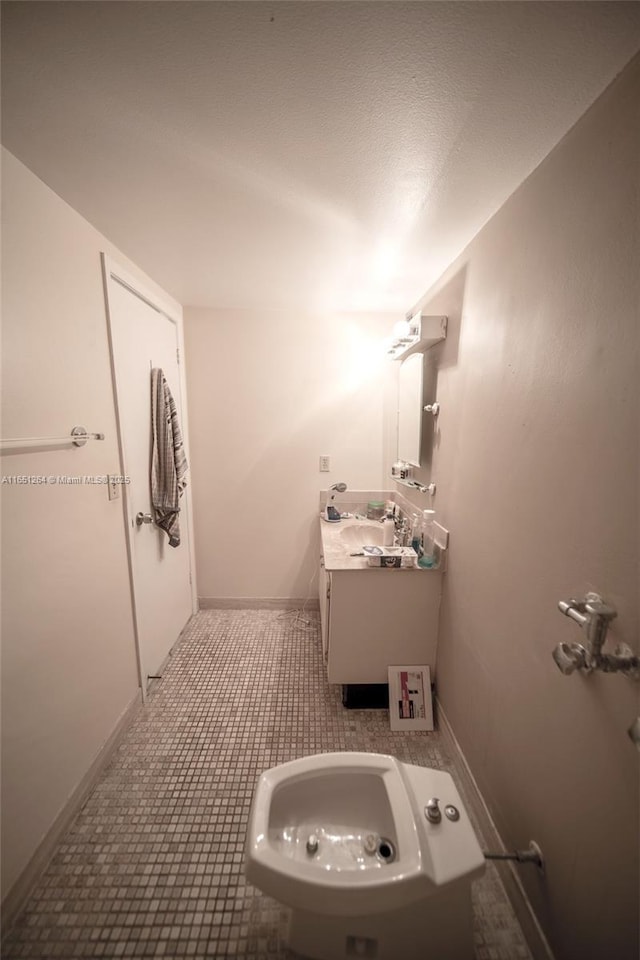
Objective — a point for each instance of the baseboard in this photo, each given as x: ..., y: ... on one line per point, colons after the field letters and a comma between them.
x: 533, y: 932
x: 16, y: 897
x: 258, y: 603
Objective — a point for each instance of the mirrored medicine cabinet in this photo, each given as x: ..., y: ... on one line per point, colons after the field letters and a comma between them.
x: 431, y: 330
x: 410, y: 409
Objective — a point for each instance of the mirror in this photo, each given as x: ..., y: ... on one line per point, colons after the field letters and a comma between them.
x: 410, y: 409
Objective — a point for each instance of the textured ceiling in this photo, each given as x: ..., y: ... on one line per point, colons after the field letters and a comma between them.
x: 326, y: 154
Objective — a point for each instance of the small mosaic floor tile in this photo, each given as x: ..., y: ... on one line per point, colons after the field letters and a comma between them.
x: 152, y: 865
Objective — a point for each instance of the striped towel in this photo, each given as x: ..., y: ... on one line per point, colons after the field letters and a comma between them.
x: 168, y: 463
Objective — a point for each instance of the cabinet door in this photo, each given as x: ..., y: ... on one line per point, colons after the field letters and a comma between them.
x: 379, y: 618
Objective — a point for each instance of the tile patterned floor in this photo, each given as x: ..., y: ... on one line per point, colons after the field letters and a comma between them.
x: 153, y: 864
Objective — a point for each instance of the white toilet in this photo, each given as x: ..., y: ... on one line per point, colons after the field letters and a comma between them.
x: 375, y: 857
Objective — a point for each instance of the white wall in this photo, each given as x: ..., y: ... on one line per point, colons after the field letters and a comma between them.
x: 269, y: 392
x: 536, y: 462
x: 68, y: 655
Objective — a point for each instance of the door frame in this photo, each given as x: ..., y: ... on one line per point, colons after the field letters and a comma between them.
x: 171, y: 310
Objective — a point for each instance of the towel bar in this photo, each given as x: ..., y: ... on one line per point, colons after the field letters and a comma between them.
x: 78, y: 437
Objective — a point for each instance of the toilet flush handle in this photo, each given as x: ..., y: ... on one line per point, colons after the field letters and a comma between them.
x: 432, y: 811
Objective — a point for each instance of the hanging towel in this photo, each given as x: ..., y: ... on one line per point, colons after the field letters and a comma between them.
x: 168, y: 462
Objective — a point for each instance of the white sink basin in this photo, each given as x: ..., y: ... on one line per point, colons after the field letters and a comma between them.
x: 361, y: 533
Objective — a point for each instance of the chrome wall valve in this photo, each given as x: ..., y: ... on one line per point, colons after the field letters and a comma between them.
x: 593, y: 615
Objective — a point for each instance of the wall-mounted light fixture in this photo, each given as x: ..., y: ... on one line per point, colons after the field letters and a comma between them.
x: 415, y: 333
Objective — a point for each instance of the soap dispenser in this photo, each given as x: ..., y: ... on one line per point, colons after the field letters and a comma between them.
x: 331, y: 513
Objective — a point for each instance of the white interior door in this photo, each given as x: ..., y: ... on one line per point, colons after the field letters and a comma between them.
x: 144, y: 336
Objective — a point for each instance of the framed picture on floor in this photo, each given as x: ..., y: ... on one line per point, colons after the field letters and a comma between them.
x: 410, y: 704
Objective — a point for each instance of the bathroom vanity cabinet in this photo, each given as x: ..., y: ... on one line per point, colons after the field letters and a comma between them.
x: 374, y: 618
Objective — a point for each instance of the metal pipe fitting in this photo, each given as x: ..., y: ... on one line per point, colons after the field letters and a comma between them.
x: 622, y: 660
x: 593, y: 615
x: 570, y: 657
x: 533, y: 854
x: 599, y: 616
x: 571, y: 608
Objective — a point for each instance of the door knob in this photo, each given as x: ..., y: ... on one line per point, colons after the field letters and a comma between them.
x: 143, y: 518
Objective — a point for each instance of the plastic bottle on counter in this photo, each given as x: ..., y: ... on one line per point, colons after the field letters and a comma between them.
x: 428, y: 558
x: 416, y: 533
x: 388, y: 530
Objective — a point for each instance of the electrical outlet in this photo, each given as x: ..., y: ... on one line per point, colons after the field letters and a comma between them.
x: 113, y: 488
x: 325, y: 464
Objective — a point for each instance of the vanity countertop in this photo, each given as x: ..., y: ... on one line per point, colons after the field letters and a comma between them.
x: 344, y: 537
